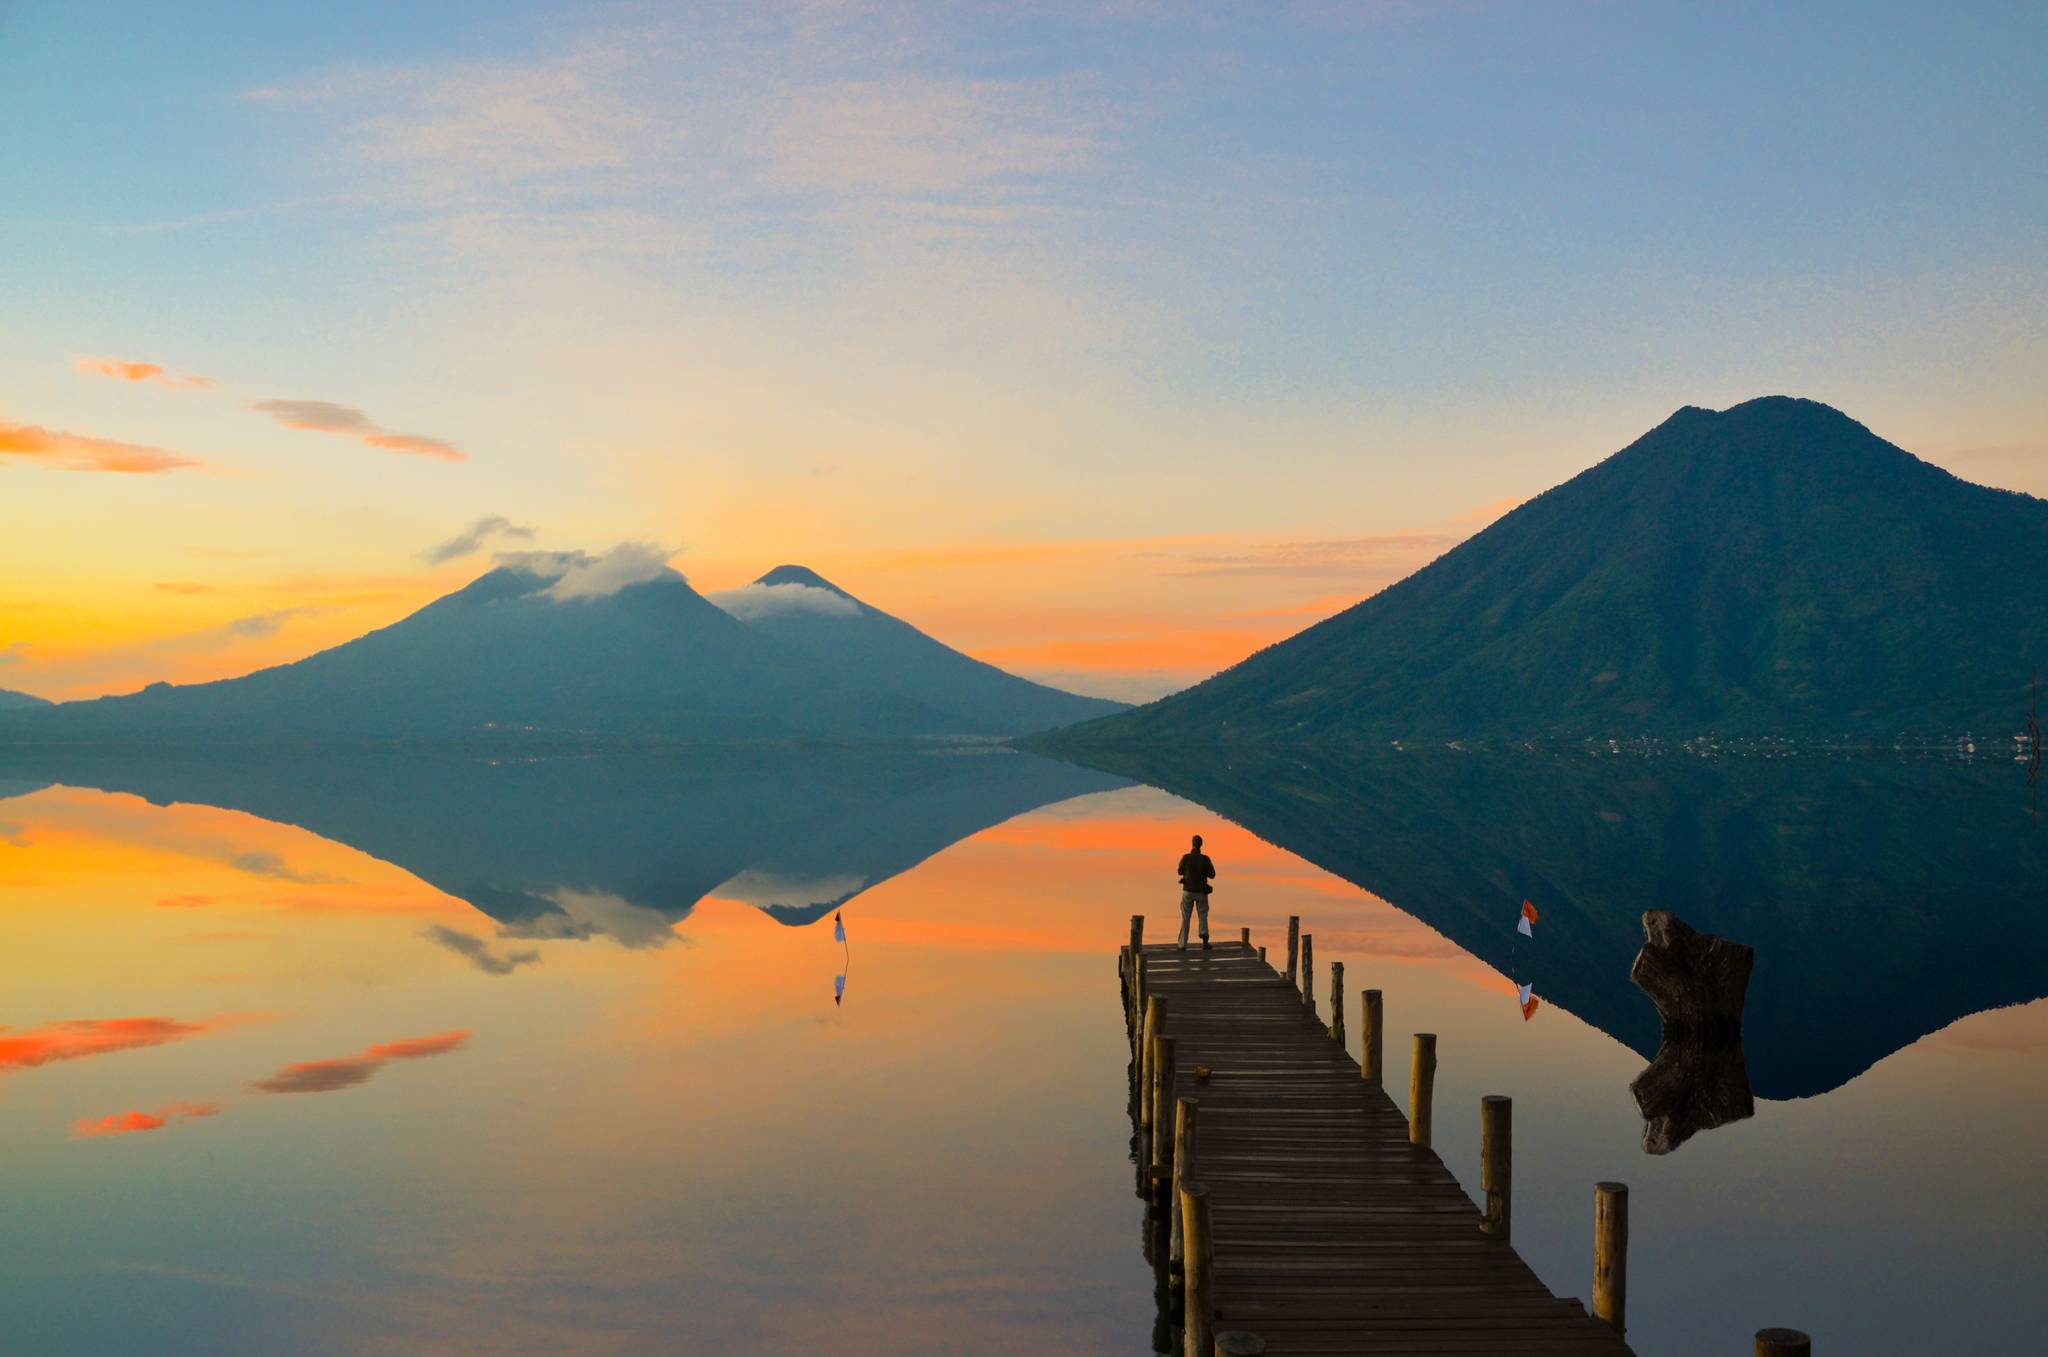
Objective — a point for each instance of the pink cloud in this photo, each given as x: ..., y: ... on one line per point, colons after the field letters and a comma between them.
x: 81, y: 1037
x: 349, y: 422
x: 133, y: 1120
x: 329, y: 1076
x: 79, y: 452
x: 121, y: 370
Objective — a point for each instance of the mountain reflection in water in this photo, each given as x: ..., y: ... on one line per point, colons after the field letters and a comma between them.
x: 1884, y: 898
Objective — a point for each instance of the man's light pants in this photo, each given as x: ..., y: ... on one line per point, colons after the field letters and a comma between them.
x: 1191, y: 902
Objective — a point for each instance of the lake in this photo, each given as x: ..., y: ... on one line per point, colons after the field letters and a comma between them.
x: 448, y: 1053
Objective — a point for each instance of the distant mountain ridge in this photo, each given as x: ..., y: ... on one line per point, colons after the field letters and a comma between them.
x: 511, y: 654
x: 13, y: 701
x: 1773, y: 568
x: 801, y: 609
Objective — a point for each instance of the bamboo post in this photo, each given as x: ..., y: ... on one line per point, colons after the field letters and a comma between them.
x: 1293, y: 944
x: 1496, y: 1163
x: 1610, y: 1254
x: 1421, y: 1083
x: 1308, y: 972
x: 1198, y: 1315
x: 1370, y: 1017
x: 1783, y: 1343
x: 1238, y: 1343
x: 1244, y: 935
x: 1185, y: 1111
x: 1162, y: 1099
x: 1155, y: 1019
x: 1337, y: 1001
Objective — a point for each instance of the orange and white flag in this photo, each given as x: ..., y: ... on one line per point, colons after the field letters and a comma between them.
x: 1522, y: 925
x: 1529, y: 1001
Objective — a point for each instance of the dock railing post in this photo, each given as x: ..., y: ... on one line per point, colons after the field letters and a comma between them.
x: 1293, y: 944
x: 1185, y: 1114
x: 1496, y: 1164
x: 1337, y: 1001
x: 1308, y: 972
x: 1137, y: 933
x: 1155, y: 1019
x: 1610, y: 1255
x: 1244, y: 935
x: 1783, y: 1343
x: 1421, y: 1087
x: 1162, y: 1100
x: 1198, y: 1313
x: 1371, y: 1020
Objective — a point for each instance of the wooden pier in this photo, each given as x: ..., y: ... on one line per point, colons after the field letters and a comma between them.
x: 1297, y: 1209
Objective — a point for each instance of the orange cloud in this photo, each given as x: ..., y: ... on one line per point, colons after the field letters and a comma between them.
x: 328, y: 1076
x: 123, y: 371
x: 78, y: 452
x: 126, y: 1123
x: 81, y: 1037
x: 327, y: 417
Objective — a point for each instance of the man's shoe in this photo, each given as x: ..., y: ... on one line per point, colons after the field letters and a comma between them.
x: 1205, y: 944
x: 1183, y: 945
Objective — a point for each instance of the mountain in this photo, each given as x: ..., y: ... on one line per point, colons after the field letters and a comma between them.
x: 1774, y: 568
x: 806, y: 612
x: 517, y: 653
x: 13, y: 701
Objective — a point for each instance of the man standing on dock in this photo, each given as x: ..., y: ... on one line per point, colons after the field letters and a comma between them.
x: 1196, y: 872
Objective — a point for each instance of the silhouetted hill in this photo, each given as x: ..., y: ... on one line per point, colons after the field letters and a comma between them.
x: 508, y: 655
x: 13, y: 701
x: 802, y: 610
x: 1774, y: 568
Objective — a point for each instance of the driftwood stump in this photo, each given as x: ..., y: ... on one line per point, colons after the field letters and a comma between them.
x: 1699, y: 984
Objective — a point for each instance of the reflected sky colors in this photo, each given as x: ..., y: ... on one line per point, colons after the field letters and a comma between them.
x: 253, y: 1099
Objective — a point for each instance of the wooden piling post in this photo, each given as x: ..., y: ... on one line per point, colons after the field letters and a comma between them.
x: 1262, y: 954
x: 1308, y: 972
x: 1293, y: 944
x: 1238, y: 1343
x: 1783, y: 1343
x: 1337, y: 1001
x: 1138, y: 1011
x: 1370, y: 1018
x: 1198, y: 1314
x: 1137, y: 933
x: 1162, y: 1099
x: 1244, y: 935
x: 1610, y: 1255
x: 1155, y: 1019
x: 1421, y: 1085
x: 1496, y: 1164
x: 1185, y: 1114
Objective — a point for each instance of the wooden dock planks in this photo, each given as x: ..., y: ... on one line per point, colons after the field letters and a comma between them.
x: 1331, y: 1232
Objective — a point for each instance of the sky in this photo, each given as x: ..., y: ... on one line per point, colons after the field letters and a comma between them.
x: 1108, y: 342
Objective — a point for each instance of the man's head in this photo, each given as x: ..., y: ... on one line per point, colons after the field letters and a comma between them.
x: 1198, y: 841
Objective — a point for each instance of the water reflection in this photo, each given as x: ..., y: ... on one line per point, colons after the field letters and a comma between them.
x: 1884, y: 898
x: 620, y: 846
x: 1697, y: 1080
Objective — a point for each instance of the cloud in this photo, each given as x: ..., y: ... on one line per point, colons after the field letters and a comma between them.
x: 783, y: 600
x: 81, y: 1037
x: 327, y: 417
x: 578, y: 574
x: 472, y: 538
x: 327, y: 1076
x: 14, y: 652
x: 478, y: 951
x: 126, y: 1123
x: 122, y: 370
x: 264, y: 863
x: 587, y: 914
x: 1386, y: 557
x: 79, y: 452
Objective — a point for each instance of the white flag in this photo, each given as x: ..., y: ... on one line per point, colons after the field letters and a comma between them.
x: 838, y: 929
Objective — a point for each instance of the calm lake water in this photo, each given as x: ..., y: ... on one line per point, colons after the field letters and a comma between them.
x: 543, y: 1055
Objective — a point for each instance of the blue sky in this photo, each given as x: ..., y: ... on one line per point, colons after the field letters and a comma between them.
x: 835, y: 281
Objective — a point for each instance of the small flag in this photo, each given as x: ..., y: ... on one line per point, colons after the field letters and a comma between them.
x: 838, y: 988
x: 1528, y: 998
x: 1528, y: 918
x: 838, y: 929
